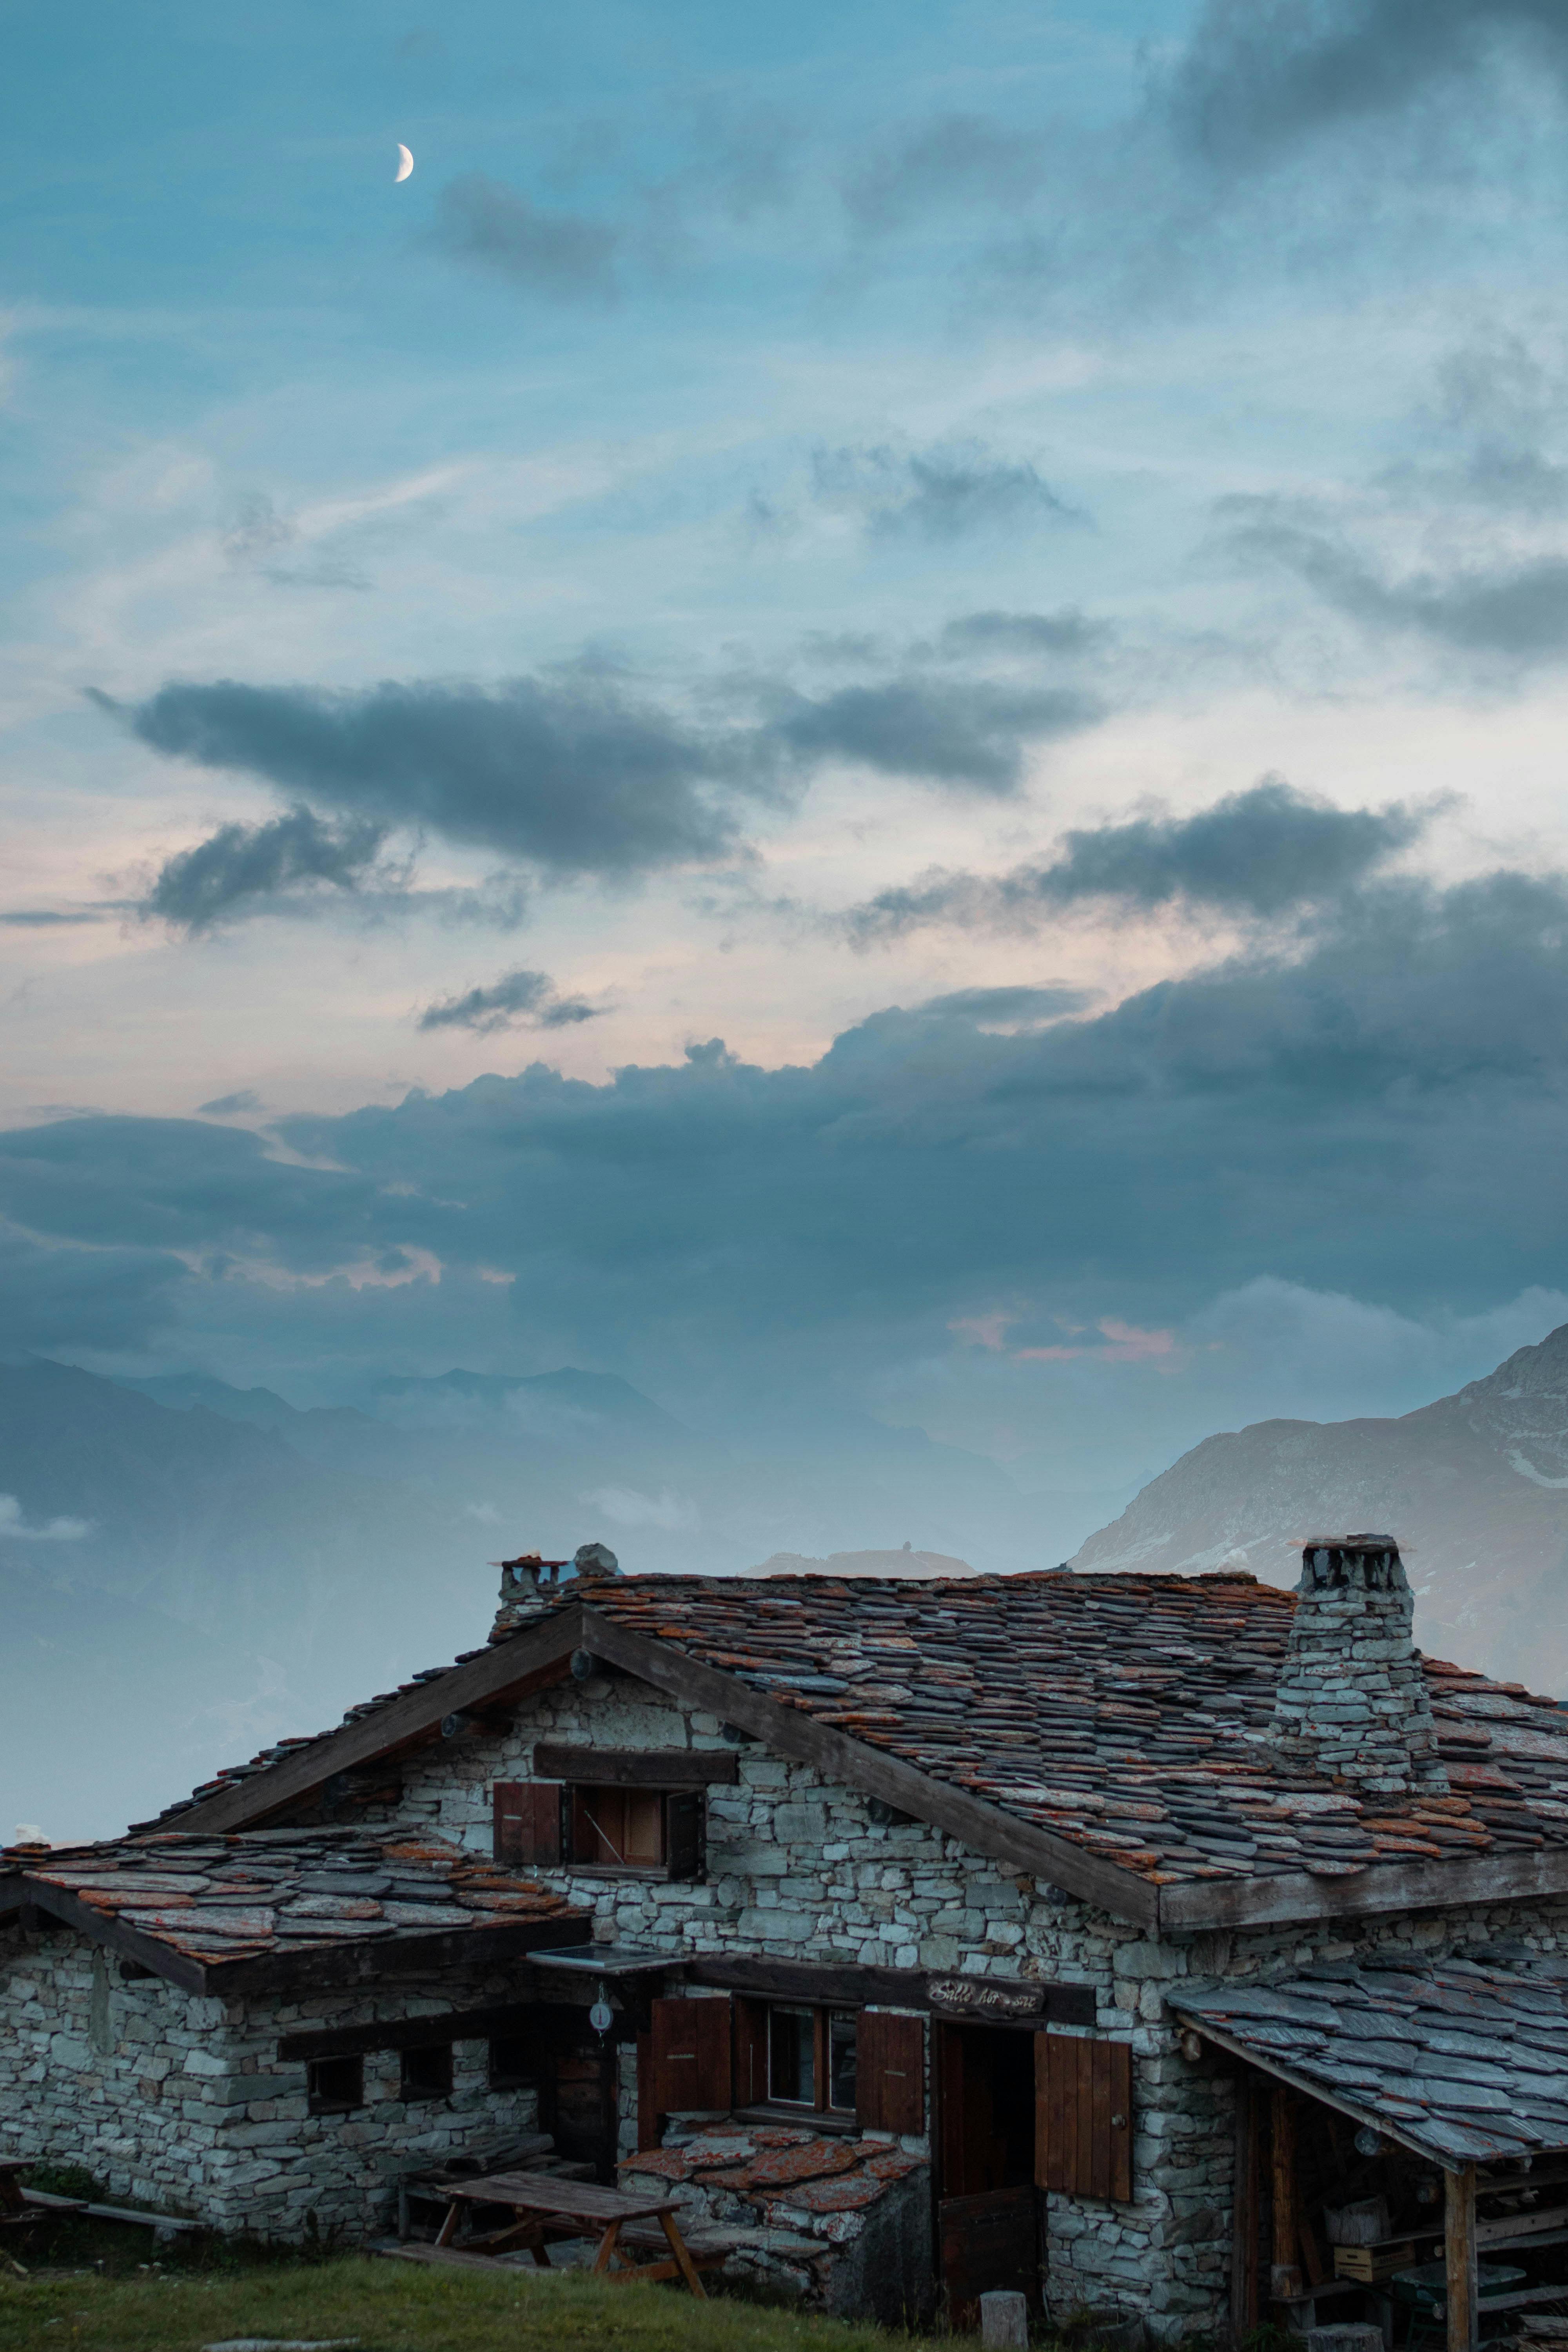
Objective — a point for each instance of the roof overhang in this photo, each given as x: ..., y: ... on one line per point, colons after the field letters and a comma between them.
x: 357, y: 1960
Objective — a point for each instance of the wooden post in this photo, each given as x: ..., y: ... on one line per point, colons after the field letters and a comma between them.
x: 1244, y: 2311
x: 1459, y: 2256
x: 1287, y: 2278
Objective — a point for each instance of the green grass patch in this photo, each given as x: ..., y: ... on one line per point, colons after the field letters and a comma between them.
x: 393, y: 2306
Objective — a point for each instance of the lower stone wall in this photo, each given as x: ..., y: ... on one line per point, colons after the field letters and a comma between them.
x: 181, y: 2102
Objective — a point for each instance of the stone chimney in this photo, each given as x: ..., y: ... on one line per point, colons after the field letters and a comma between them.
x: 531, y: 1587
x: 1351, y: 1702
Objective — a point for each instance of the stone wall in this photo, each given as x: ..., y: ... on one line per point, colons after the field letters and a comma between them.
x: 181, y: 2102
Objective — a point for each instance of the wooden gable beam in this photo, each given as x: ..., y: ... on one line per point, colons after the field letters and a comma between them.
x: 1296, y: 1894
x: 131, y: 1943
x: 511, y: 1670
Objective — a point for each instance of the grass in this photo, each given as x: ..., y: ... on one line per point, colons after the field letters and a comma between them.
x: 395, y: 2306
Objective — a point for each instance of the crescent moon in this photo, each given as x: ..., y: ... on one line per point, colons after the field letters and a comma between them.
x: 404, y: 163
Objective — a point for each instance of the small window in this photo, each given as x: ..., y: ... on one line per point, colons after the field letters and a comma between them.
x: 621, y: 1827
x: 811, y: 2057
x: 333, y: 2084
x: 428, y: 2072
x: 510, y: 2067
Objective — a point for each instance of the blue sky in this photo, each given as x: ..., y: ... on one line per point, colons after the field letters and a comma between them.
x: 1009, y: 565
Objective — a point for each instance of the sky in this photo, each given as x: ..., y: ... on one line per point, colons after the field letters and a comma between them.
x: 861, y: 712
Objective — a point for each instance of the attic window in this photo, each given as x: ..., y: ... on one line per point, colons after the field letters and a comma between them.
x: 618, y: 1826
x: 612, y: 1827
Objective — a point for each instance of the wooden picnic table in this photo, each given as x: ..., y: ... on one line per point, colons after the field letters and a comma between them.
x: 550, y: 2209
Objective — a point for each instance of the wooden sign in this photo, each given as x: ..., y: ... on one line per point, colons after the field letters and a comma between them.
x: 982, y: 1997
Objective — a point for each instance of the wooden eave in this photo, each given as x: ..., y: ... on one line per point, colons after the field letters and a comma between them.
x: 540, y: 1655
x: 363, y: 1959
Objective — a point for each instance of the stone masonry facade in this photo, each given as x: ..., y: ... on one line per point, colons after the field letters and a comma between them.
x: 181, y: 2102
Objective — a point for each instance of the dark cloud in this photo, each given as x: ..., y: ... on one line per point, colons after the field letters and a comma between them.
x: 1260, y: 854
x: 969, y: 733
x: 1518, y: 612
x: 571, y: 774
x: 1380, y: 1111
x: 111, y: 1298
x: 231, y: 1106
x: 243, y: 869
x: 46, y: 918
x: 1066, y: 632
x: 956, y: 158
x: 517, y: 996
x: 936, y: 494
x: 561, y: 255
x: 1256, y: 81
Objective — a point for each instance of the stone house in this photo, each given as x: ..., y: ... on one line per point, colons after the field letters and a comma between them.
x: 1098, y: 1936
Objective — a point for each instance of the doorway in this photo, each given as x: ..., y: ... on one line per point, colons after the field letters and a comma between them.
x: 988, y: 2210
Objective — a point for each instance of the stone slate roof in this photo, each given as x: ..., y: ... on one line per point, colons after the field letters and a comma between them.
x: 1128, y: 1714
x: 219, y: 1899
x: 1463, y: 2059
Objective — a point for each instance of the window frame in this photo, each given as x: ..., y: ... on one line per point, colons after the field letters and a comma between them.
x: 683, y: 1845
x: 323, y: 2101
x: 822, y: 2013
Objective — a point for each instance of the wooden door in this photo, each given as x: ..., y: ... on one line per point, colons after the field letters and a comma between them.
x: 988, y: 2225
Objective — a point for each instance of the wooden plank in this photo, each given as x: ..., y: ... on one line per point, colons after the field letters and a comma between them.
x: 1042, y: 2111
x: 1083, y: 2116
x: 988, y: 2241
x: 848, y: 1986
x: 507, y: 2018
x: 131, y: 1943
x: 380, y: 1959
x: 1459, y: 2259
x: 749, y: 2053
x: 645, y: 1768
x: 789, y: 1731
x: 1121, y: 2054
x: 1385, y: 1887
x: 1516, y: 2227
x: 567, y: 2200
x: 1282, y: 2165
x: 525, y: 1662
x: 648, y: 2123
x: 1245, y: 2206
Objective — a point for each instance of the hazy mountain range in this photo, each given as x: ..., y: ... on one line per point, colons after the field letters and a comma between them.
x: 1475, y: 1487
x: 189, y: 1572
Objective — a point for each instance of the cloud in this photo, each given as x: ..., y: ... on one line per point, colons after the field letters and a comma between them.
x: 246, y: 869
x: 517, y: 996
x: 1254, y: 82
x: 1008, y: 1008
x: 971, y: 733
x: 1518, y: 612
x: 231, y: 1106
x: 45, y: 918
x: 572, y: 775
x: 1259, y: 853
x: 1381, y: 1109
x: 1066, y: 631
x: 954, y: 159
x: 13, y: 1528
x: 936, y: 494
x: 562, y: 256
x: 258, y: 535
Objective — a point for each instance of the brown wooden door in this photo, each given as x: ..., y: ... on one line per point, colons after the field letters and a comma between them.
x: 1083, y: 2106
x: 575, y: 2072
x: 988, y: 2226
x: 686, y: 2065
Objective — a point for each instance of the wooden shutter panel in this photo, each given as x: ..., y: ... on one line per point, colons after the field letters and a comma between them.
x: 683, y: 1832
x: 889, y: 2071
x: 528, y: 1822
x: 1083, y: 2116
x: 751, y: 2062
x: 690, y: 2055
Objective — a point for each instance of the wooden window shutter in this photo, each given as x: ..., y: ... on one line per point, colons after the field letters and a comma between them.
x: 688, y: 2056
x: 683, y: 1839
x: 528, y: 1823
x: 751, y: 2048
x: 889, y: 2071
x: 1083, y: 2116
